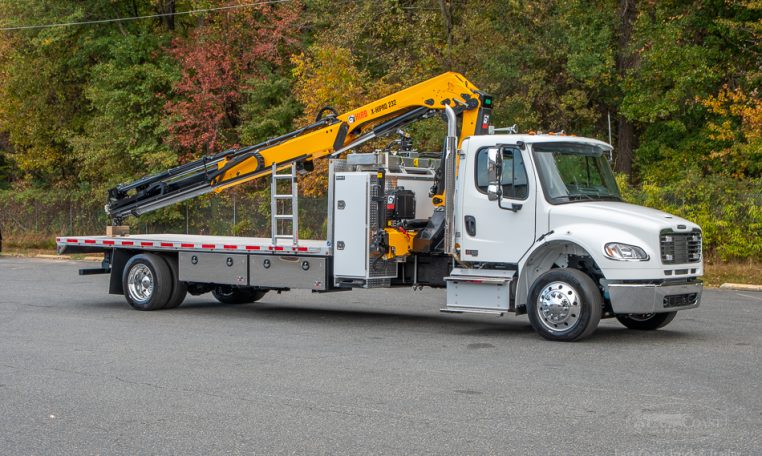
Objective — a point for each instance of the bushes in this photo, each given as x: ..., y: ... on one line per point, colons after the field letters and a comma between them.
x: 728, y: 210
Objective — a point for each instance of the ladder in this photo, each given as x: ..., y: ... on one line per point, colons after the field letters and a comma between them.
x: 278, y: 218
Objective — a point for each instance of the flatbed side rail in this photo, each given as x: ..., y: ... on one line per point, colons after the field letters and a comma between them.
x: 93, y: 244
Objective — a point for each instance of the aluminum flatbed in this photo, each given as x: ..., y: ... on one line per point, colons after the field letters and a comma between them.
x: 190, y: 242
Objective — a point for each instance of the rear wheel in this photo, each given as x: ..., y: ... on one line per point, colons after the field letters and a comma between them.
x: 179, y: 289
x: 237, y: 295
x: 646, y: 322
x: 564, y: 305
x: 147, y: 282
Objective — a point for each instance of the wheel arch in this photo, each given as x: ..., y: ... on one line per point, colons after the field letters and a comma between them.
x: 543, y: 258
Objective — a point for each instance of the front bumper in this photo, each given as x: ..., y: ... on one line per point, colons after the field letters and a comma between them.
x: 645, y: 298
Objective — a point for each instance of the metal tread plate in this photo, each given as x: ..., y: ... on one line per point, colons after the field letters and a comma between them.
x: 477, y: 279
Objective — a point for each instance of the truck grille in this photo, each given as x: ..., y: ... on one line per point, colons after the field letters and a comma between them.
x: 680, y: 248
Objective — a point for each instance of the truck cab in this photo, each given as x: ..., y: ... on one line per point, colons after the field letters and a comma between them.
x: 547, y: 208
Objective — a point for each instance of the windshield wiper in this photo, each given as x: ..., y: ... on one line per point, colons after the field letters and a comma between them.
x: 592, y: 197
x: 580, y: 196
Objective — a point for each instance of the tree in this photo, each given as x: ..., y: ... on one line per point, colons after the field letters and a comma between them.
x: 47, y: 90
x: 219, y: 59
x: 124, y: 137
x: 625, y: 62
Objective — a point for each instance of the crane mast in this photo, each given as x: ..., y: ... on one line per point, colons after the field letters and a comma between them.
x: 328, y: 136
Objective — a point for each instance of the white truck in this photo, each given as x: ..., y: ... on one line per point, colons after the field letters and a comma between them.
x: 505, y: 222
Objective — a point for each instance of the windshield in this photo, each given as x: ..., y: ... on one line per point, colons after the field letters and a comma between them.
x: 574, y: 172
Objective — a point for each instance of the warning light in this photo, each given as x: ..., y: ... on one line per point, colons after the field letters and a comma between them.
x: 487, y: 101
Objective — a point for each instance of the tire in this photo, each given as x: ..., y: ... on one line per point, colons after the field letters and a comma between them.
x: 179, y: 289
x: 234, y: 295
x: 564, y: 305
x: 646, y: 322
x: 147, y: 282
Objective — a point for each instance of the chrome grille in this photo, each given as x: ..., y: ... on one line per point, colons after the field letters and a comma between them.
x: 680, y: 248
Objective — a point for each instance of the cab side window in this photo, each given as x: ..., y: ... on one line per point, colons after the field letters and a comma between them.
x: 514, y: 179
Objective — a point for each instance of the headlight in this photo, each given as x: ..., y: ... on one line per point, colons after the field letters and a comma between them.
x: 624, y: 252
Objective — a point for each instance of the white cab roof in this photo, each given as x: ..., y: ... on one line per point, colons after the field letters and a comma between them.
x: 529, y: 139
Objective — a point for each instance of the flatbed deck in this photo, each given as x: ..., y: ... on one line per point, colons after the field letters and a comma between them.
x: 191, y: 242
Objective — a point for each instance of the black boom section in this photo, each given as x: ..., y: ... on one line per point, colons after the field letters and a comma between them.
x: 191, y: 179
x: 204, y: 175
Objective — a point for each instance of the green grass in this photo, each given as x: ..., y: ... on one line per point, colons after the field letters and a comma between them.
x: 717, y: 272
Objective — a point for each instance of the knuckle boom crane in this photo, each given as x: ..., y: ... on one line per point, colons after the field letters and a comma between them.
x: 330, y: 135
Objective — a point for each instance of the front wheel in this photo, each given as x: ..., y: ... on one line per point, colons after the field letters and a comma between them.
x: 564, y: 305
x: 235, y: 295
x: 646, y: 322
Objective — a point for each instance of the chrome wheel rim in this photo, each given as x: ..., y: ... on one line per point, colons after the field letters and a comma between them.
x: 558, y: 306
x: 140, y: 283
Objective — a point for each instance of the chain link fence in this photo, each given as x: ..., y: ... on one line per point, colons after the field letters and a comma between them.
x: 29, y: 220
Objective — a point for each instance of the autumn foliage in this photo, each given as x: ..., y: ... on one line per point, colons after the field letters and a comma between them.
x: 219, y: 59
x: 83, y: 108
x: 736, y: 125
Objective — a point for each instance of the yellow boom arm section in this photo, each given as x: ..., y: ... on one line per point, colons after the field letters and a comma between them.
x: 328, y: 136
x: 348, y: 129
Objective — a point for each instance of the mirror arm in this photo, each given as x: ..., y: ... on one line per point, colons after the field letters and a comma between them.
x: 515, y: 207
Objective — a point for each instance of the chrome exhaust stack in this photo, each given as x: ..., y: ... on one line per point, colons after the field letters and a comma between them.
x: 451, y: 149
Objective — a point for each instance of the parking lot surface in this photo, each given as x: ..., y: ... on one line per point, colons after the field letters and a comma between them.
x: 361, y: 372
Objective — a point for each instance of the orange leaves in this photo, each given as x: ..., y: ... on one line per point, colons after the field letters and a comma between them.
x: 746, y: 108
x: 326, y: 75
x: 738, y: 125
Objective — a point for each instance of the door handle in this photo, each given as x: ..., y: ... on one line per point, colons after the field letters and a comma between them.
x: 470, y: 225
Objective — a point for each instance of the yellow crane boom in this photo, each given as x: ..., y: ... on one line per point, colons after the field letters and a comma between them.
x: 328, y: 136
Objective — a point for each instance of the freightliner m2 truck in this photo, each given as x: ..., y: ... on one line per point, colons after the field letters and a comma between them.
x: 506, y: 223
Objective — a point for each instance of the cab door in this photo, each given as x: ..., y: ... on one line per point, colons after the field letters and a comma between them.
x: 497, y: 231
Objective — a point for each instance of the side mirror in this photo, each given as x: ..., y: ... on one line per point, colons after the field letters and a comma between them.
x: 494, y: 173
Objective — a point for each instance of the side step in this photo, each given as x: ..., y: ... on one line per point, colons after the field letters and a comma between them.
x: 460, y: 310
x: 484, y: 291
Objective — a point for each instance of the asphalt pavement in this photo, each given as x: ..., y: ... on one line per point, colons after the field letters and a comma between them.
x: 362, y: 372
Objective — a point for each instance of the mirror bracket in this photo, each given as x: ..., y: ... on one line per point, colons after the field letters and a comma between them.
x: 514, y: 207
x: 494, y: 173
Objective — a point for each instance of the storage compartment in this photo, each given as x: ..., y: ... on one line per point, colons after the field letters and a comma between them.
x: 355, y: 205
x: 219, y: 268
x: 271, y: 271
